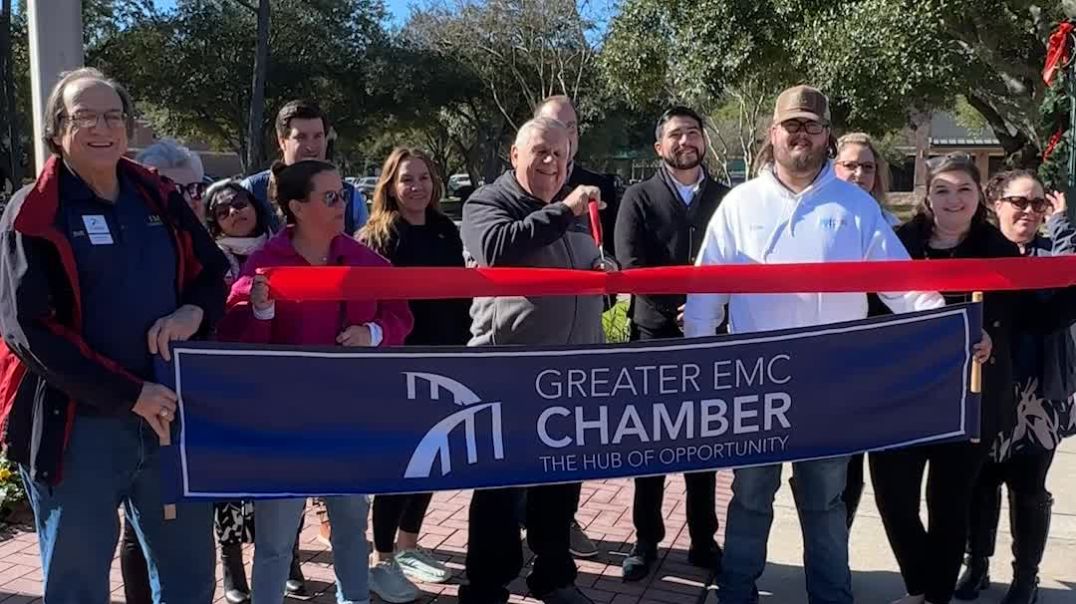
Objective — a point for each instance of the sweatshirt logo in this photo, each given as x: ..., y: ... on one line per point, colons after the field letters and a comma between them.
x: 436, y: 444
x: 832, y: 224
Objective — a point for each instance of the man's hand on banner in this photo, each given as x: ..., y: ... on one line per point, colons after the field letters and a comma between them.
x: 578, y: 199
x: 356, y: 335
x: 981, y: 351
x: 157, y: 405
x: 176, y: 327
x: 259, y: 293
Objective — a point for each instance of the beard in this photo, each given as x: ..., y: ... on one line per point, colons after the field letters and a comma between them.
x: 808, y: 161
x: 678, y: 160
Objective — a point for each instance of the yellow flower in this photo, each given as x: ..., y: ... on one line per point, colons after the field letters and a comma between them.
x: 4, y: 474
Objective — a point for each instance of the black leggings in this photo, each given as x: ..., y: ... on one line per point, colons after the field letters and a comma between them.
x: 1025, y: 476
x: 929, y: 557
x: 392, y: 512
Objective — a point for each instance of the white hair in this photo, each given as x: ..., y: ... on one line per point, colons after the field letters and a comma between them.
x: 538, y: 124
x: 168, y: 154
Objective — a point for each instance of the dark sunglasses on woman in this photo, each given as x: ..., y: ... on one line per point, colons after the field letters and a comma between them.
x: 194, y: 190
x: 1039, y: 205
x: 224, y: 208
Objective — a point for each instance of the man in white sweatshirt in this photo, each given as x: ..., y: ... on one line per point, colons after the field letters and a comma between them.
x: 796, y: 210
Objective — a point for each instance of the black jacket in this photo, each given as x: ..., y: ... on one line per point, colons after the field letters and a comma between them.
x: 47, y: 370
x: 605, y: 182
x: 655, y: 228
x: 437, y: 243
x: 1006, y: 316
x: 1053, y: 353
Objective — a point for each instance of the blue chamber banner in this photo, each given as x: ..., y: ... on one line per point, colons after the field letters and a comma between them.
x: 262, y: 422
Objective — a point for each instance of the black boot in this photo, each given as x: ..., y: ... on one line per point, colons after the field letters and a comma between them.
x: 236, y: 589
x: 976, y: 578
x: 1030, y: 529
x: 982, y: 534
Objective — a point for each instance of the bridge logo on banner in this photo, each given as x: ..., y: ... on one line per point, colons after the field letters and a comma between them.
x: 436, y: 445
x: 273, y: 421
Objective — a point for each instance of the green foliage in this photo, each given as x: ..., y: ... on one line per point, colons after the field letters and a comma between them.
x: 879, y: 60
x: 11, y: 490
x: 615, y: 323
x: 191, y: 68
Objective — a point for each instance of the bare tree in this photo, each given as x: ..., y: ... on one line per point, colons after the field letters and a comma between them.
x: 522, y: 50
x: 739, y: 124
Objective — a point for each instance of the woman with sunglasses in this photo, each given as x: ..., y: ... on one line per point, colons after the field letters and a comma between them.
x: 183, y: 167
x: 310, y: 194
x: 1044, y: 381
x: 951, y: 222
x: 237, y: 223
x: 407, y: 227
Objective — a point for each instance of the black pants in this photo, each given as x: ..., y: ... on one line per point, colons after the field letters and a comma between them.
x: 402, y: 512
x: 853, y: 488
x: 494, y: 549
x: 650, y: 491
x: 136, y: 589
x: 1025, y: 476
x: 929, y: 557
x: 701, y: 509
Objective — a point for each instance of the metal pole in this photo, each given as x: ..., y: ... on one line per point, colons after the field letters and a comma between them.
x: 55, y: 47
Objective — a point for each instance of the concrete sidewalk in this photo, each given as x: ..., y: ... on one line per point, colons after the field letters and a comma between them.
x: 606, y: 513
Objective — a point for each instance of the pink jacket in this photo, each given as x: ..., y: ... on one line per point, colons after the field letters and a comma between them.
x: 310, y: 323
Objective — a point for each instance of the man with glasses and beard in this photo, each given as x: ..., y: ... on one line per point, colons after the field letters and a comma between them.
x: 661, y: 223
x: 795, y: 210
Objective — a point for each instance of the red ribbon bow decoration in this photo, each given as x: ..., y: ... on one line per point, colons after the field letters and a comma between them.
x: 1057, y: 51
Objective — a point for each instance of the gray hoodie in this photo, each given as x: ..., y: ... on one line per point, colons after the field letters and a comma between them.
x: 504, y: 226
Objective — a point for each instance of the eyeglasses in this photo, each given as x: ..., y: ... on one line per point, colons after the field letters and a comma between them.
x: 224, y: 209
x: 89, y: 119
x: 811, y: 127
x: 194, y: 190
x: 867, y: 167
x: 334, y: 198
x: 1038, y: 205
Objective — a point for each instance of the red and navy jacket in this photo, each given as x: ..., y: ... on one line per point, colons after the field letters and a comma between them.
x: 46, y: 367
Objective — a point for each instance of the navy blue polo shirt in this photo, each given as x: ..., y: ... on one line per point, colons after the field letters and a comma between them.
x: 127, y: 265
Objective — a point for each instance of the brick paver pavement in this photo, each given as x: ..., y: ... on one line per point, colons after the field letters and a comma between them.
x: 605, y: 513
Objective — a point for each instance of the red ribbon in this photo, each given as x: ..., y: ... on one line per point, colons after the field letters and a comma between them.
x: 595, y: 222
x: 1057, y: 51
x: 390, y: 283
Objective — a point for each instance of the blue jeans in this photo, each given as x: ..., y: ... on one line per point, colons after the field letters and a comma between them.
x: 277, y: 521
x: 112, y: 461
x: 818, y: 486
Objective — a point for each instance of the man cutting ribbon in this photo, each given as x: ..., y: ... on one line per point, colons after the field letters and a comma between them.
x: 524, y: 219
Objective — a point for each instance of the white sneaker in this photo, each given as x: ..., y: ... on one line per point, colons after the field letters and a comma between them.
x: 909, y: 599
x: 389, y: 583
x: 419, y: 565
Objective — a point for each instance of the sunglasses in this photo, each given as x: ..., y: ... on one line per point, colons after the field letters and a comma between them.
x: 224, y: 209
x: 1038, y: 205
x: 333, y: 198
x: 194, y: 190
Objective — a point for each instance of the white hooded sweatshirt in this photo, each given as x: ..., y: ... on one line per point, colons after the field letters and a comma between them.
x: 763, y: 222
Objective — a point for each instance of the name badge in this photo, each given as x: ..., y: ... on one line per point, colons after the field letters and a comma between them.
x: 97, y: 229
